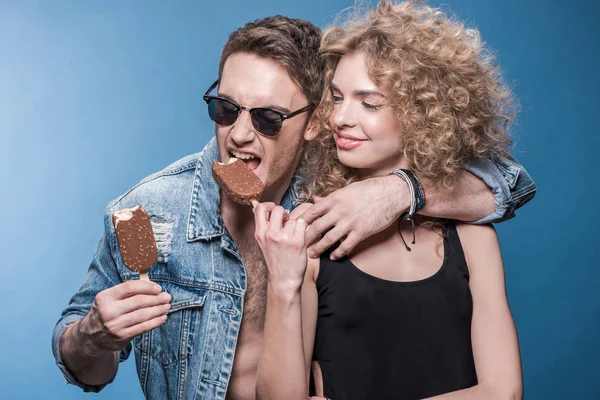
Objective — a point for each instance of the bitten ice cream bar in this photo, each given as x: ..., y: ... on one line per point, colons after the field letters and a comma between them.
x: 136, y: 239
x: 238, y: 181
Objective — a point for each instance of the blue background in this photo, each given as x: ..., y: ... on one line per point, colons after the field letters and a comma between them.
x: 96, y: 95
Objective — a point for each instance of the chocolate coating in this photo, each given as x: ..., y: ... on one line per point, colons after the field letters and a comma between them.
x: 238, y: 181
x: 135, y: 238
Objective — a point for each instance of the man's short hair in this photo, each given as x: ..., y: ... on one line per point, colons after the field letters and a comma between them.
x: 292, y: 43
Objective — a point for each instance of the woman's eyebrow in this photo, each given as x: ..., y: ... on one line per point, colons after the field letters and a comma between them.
x: 359, y: 92
x: 365, y: 93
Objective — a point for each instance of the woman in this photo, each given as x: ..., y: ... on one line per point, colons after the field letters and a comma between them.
x: 409, y: 89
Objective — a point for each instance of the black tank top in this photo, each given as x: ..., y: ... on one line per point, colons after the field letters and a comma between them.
x: 379, y: 339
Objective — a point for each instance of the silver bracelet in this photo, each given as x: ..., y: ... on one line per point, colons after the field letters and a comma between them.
x: 411, y: 188
x: 413, y: 206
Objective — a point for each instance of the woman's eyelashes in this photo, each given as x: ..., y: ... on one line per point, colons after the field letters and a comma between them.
x: 370, y: 106
x: 339, y: 99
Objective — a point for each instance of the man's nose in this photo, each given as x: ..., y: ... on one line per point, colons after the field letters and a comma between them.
x: 242, y: 130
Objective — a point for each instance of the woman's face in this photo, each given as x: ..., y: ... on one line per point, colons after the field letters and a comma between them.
x: 365, y: 129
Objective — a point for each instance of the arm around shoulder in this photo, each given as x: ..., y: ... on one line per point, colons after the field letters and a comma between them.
x: 489, y: 190
x: 509, y: 181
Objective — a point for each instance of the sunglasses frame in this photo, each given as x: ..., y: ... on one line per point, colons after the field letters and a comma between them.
x: 207, y: 98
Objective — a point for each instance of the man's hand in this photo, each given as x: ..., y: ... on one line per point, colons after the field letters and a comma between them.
x: 282, y: 245
x: 354, y: 213
x: 122, y: 312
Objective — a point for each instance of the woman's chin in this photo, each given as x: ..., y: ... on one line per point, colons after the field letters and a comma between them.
x: 352, y: 161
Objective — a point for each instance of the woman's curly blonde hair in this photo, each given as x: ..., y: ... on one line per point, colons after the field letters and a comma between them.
x: 443, y: 83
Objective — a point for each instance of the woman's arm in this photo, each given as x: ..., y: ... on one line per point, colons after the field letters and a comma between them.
x: 493, y: 333
x: 291, y: 315
x: 310, y: 307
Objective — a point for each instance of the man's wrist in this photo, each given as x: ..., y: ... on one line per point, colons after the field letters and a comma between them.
x: 82, y: 339
x: 401, y: 194
x: 83, y: 360
x: 419, y: 190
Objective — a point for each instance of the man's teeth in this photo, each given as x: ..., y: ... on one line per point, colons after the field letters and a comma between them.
x: 242, y: 156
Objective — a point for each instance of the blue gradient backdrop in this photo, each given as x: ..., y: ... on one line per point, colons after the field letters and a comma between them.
x: 96, y: 95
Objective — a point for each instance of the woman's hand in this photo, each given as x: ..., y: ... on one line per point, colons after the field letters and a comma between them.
x: 283, y: 247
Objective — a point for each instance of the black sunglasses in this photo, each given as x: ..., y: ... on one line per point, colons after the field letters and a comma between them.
x: 266, y: 121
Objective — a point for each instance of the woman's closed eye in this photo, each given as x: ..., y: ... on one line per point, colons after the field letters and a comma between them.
x: 337, y: 99
x: 370, y: 106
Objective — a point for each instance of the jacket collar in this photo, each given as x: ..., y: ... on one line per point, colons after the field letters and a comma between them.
x: 204, y: 220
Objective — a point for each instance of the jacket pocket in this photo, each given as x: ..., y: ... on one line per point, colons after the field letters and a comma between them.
x: 173, y: 341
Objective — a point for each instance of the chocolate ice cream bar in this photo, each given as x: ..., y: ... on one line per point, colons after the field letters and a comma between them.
x: 238, y: 181
x: 136, y: 239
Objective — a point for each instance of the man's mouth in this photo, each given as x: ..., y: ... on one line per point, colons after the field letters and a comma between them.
x: 251, y: 160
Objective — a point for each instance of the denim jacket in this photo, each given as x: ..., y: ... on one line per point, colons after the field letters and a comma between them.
x: 191, y: 355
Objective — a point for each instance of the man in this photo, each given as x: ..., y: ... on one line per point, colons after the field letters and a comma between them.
x: 201, y: 337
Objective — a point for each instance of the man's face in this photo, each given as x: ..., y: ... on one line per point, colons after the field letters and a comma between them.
x: 252, y: 81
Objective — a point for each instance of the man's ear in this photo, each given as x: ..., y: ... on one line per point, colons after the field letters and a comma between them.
x: 312, y: 130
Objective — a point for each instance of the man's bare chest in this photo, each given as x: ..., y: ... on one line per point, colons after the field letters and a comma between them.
x: 255, y: 299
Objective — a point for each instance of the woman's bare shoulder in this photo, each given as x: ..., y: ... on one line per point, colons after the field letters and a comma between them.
x: 479, y: 243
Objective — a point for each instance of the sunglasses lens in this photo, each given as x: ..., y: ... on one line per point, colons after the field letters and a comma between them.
x: 267, y: 122
x: 222, y: 112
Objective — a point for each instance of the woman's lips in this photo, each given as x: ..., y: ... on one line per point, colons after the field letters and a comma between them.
x: 347, y: 143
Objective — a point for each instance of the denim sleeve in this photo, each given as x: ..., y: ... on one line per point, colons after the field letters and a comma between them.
x: 102, y: 274
x: 510, y: 182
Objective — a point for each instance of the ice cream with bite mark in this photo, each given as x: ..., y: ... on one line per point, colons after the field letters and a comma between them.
x: 238, y: 181
x: 136, y: 239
